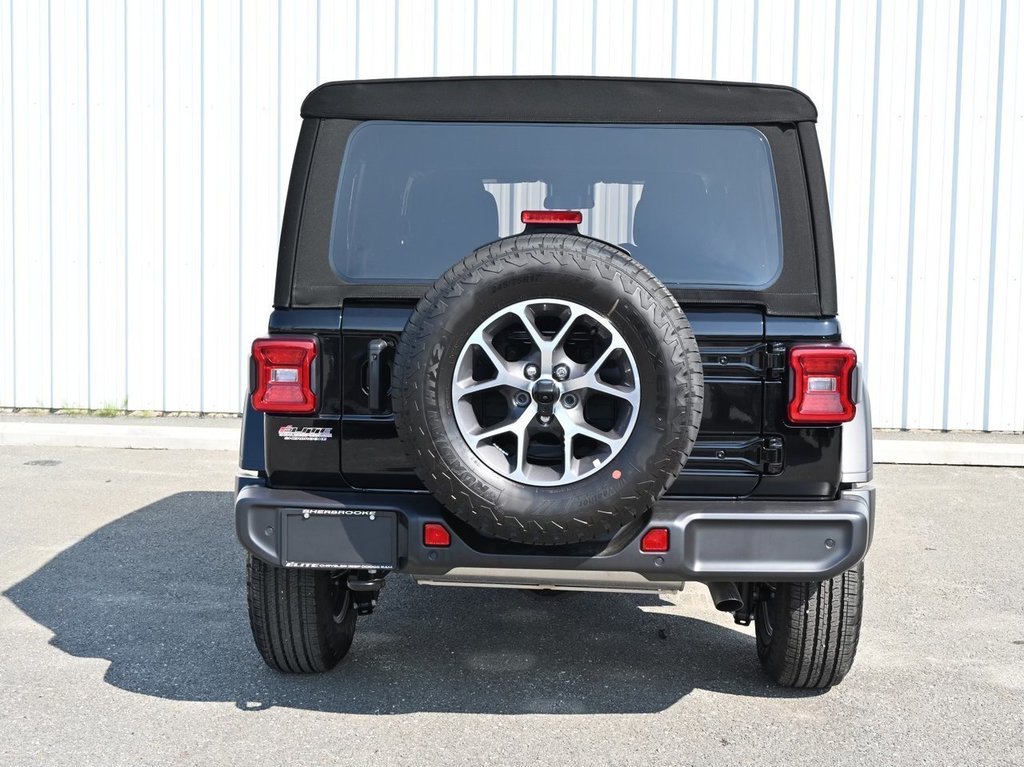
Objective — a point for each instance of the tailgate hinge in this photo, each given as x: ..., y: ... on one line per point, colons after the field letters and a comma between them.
x: 776, y: 360
x: 771, y: 455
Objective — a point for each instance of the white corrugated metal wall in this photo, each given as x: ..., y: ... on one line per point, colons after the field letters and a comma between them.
x: 145, y: 149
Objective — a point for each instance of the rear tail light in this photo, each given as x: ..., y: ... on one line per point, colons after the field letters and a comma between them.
x: 436, y: 535
x: 822, y: 385
x: 655, y: 540
x: 551, y: 217
x: 284, y: 375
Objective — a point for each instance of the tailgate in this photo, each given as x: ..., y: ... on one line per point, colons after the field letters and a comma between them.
x: 730, y: 456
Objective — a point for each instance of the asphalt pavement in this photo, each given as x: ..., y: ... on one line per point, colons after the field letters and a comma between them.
x: 125, y: 641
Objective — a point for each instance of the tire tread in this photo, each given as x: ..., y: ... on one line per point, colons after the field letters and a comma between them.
x: 815, y: 630
x: 291, y: 621
x: 603, y: 261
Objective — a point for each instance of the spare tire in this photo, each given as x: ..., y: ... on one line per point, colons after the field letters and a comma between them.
x: 548, y: 388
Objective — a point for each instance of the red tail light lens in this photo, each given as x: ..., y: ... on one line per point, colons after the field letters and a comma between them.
x: 284, y: 375
x: 552, y: 217
x: 822, y: 385
x: 655, y: 540
x: 436, y: 535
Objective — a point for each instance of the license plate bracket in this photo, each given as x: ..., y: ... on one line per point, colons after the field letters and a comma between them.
x: 340, y: 539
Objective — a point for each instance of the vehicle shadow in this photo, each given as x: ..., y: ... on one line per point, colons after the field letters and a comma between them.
x: 160, y: 593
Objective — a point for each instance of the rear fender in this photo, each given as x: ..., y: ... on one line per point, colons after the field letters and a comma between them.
x: 252, y: 454
x: 857, y: 450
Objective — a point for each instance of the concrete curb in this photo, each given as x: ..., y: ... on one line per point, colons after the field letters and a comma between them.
x: 946, y: 453
x: 182, y: 437
x: 142, y: 437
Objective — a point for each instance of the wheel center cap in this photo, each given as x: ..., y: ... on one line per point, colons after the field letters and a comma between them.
x: 545, y: 394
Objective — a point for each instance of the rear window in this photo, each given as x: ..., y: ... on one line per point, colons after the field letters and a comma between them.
x: 698, y: 205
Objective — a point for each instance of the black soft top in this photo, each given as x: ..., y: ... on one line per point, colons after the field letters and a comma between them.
x: 559, y: 100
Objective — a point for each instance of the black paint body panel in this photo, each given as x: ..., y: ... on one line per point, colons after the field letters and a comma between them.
x: 745, y: 405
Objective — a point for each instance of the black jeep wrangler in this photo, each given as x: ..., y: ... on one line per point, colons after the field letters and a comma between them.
x: 557, y: 333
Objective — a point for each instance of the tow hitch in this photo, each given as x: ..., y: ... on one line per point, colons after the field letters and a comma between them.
x: 752, y: 594
x: 365, y: 588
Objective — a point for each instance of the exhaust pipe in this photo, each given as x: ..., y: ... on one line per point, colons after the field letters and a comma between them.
x: 725, y: 596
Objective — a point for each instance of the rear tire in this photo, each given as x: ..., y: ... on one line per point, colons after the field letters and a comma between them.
x: 302, y: 620
x: 807, y: 633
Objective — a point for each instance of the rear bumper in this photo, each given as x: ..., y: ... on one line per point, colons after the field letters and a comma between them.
x: 710, y: 540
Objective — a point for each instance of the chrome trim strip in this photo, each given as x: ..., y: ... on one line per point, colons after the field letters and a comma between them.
x: 563, y: 580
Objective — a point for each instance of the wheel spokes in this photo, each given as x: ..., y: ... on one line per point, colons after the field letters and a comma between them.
x: 581, y: 428
x: 502, y: 389
x: 517, y: 426
x: 591, y: 381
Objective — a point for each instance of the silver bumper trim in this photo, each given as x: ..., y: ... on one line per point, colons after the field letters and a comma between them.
x: 561, y: 580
